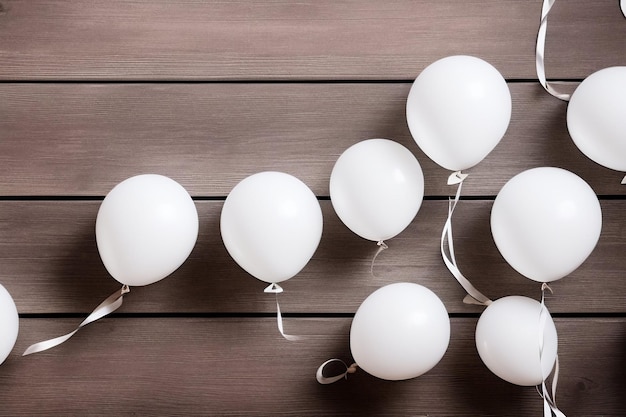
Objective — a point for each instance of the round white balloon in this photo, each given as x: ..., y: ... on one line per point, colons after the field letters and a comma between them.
x: 271, y: 225
x: 400, y: 331
x: 545, y: 222
x: 376, y: 188
x: 9, y: 323
x: 458, y: 110
x: 596, y: 117
x: 508, y: 339
x: 146, y: 227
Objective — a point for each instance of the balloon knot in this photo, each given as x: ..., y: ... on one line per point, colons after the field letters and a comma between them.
x: 273, y: 288
x: 125, y: 289
x: 545, y: 287
x: 456, y: 178
x: 352, y: 369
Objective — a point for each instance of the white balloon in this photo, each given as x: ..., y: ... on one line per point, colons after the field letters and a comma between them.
x: 458, y: 110
x: 271, y: 225
x: 508, y: 339
x: 400, y: 331
x: 146, y: 227
x: 596, y: 117
x: 545, y: 222
x: 9, y: 323
x: 376, y: 188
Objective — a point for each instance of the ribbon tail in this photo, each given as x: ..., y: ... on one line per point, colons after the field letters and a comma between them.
x: 547, y: 410
x: 622, y: 6
x: 624, y: 179
x: 381, y: 247
x: 468, y: 299
x: 540, y: 52
x: 112, y: 303
x: 449, y: 259
x: 276, y: 289
x: 279, y: 321
x: 549, y: 400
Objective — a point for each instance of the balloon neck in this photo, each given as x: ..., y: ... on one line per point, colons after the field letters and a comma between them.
x: 273, y: 288
x: 125, y: 289
x: 456, y: 178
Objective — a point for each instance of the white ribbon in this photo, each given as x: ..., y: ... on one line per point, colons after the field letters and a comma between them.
x: 624, y: 180
x: 540, y: 50
x: 106, y: 307
x: 549, y: 401
x: 473, y: 295
x: 331, y: 379
x: 381, y: 247
x: 277, y: 289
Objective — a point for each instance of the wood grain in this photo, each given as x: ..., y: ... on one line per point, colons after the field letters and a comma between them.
x: 49, y: 262
x: 209, y: 92
x: 221, y: 366
x: 82, y: 139
x: 269, y: 40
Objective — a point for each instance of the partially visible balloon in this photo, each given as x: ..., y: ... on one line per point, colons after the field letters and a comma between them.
x: 9, y: 324
x: 271, y: 225
x: 400, y: 331
x: 596, y: 117
x: 508, y: 339
x: 545, y: 222
x: 376, y: 188
x: 146, y: 227
x: 458, y: 110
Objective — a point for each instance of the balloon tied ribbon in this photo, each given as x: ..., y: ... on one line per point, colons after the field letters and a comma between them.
x: 549, y: 399
x: 381, y: 247
x: 540, y: 53
x: 325, y: 380
x: 105, y: 308
x: 277, y: 289
x: 456, y: 178
x: 473, y: 295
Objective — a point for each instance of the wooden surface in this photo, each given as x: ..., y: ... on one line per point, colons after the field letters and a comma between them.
x: 210, y: 92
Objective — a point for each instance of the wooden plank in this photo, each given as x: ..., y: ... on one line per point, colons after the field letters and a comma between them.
x: 82, y: 139
x: 149, y: 40
x: 209, y: 366
x: 50, y: 264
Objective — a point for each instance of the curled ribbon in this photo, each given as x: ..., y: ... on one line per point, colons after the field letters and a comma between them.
x: 540, y: 49
x: 540, y: 52
x: 112, y: 303
x: 473, y: 295
x: 331, y: 379
x: 549, y: 400
x: 277, y: 289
